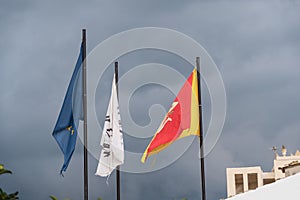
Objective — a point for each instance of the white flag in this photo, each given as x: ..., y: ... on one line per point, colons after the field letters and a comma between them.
x: 112, y: 154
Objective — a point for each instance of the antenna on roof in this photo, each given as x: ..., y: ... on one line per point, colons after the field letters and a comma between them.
x: 274, y: 149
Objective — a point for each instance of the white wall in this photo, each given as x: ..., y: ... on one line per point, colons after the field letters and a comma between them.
x: 287, y: 188
x: 230, y: 172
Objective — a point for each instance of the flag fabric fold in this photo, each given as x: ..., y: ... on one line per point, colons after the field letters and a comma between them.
x: 112, y: 153
x: 65, y: 131
x: 181, y: 120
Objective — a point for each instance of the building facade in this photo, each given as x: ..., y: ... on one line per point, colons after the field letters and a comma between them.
x: 243, y: 179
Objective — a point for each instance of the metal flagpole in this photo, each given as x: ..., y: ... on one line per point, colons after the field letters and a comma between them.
x: 85, y: 153
x: 201, y: 131
x: 118, y: 167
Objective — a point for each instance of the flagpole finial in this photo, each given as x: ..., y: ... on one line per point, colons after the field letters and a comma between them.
x: 84, y: 35
x: 197, y: 61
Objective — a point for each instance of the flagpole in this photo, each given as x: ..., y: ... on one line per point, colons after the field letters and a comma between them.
x: 118, y: 167
x: 201, y: 131
x: 85, y: 153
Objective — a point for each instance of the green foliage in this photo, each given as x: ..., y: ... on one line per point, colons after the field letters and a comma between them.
x: 4, y: 171
x: 53, y: 197
x: 4, y: 195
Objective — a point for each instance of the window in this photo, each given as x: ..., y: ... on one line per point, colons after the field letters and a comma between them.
x: 252, y: 181
x: 268, y: 181
x: 239, y: 183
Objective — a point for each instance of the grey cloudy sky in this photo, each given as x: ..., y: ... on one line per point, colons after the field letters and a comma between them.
x: 255, y: 44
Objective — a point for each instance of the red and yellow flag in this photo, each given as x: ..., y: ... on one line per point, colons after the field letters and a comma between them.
x: 181, y: 120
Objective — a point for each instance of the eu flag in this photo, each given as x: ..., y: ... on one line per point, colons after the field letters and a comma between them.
x: 65, y: 131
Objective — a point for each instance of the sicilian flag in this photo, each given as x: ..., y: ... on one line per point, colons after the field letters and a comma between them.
x: 181, y: 120
x: 112, y: 154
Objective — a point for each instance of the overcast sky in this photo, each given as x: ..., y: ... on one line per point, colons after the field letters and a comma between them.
x: 255, y: 44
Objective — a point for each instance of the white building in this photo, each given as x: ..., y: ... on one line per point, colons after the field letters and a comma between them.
x: 286, y: 188
x: 292, y: 169
x: 243, y: 179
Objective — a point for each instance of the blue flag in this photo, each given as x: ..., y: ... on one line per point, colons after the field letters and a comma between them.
x: 65, y: 131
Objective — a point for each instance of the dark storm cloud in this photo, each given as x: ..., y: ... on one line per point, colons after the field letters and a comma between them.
x: 255, y: 44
